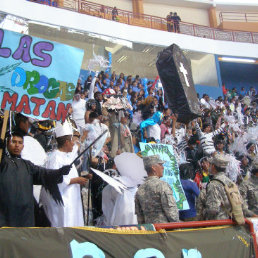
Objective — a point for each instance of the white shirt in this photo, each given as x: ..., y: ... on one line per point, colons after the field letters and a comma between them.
x: 154, y: 131
x: 95, y: 129
x: 79, y: 109
x: 205, y: 103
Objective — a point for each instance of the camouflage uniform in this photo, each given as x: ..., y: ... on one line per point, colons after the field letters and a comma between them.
x: 200, y: 205
x: 217, y: 203
x: 154, y: 202
x: 249, y: 192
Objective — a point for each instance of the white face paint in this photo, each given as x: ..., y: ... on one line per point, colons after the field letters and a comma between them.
x: 184, y: 72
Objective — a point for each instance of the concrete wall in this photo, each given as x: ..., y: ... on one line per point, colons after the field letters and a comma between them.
x: 204, y: 71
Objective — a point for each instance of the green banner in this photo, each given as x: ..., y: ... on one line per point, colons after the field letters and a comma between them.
x: 171, y: 171
x: 225, y: 241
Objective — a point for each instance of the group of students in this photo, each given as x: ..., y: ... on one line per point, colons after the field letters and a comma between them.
x: 228, y: 128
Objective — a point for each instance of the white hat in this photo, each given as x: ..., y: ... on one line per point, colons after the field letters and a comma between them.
x: 63, y: 129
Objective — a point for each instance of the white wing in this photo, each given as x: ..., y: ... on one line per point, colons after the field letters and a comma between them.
x: 130, y: 165
x: 111, y: 181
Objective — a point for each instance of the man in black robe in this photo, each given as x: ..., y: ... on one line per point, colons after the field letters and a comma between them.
x: 17, y: 177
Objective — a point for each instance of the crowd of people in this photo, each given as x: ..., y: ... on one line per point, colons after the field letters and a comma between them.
x: 215, y: 153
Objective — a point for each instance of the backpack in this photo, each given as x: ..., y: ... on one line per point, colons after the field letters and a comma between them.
x: 235, y: 200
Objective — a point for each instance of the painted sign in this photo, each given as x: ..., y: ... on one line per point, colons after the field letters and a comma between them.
x: 37, y: 77
x: 171, y: 171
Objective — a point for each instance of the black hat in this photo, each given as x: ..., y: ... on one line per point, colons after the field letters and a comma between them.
x: 248, y: 146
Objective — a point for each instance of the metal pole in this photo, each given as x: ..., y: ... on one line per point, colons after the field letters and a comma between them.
x: 4, y: 126
x: 88, y: 147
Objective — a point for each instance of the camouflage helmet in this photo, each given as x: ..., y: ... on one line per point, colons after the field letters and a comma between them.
x: 219, y: 160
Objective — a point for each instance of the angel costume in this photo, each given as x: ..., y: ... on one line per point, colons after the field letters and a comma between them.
x: 71, y: 213
x: 119, y: 209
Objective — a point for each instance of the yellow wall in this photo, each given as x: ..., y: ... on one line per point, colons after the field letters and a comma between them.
x: 120, y: 4
x: 242, y: 26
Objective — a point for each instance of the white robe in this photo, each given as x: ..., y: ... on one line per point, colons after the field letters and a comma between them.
x: 71, y: 213
x: 118, y: 209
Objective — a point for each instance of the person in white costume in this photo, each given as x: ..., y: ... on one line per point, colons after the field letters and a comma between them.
x: 118, y: 207
x: 79, y: 109
x: 70, y: 214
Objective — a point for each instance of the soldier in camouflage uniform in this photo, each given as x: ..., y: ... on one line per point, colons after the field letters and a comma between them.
x: 154, y: 201
x: 217, y: 203
x: 249, y: 188
x: 200, y: 205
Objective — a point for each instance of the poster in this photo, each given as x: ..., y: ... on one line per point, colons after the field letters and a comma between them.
x: 171, y: 170
x: 37, y: 77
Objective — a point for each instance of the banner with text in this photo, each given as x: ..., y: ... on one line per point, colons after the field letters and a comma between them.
x: 171, y: 171
x: 37, y: 77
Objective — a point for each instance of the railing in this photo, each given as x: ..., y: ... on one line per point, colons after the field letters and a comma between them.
x: 155, y: 22
x: 238, y: 17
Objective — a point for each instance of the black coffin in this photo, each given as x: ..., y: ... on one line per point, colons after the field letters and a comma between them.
x: 176, y: 76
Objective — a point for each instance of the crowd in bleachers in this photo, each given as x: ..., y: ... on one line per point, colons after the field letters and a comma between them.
x: 228, y: 124
x: 135, y: 110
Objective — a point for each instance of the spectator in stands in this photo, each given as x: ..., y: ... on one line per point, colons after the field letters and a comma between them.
x: 102, y: 10
x: 224, y: 90
x: 105, y: 83
x: 206, y: 137
x: 91, y: 107
x: 251, y: 91
x: 87, y: 83
x: 242, y: 91
x: 205, y: 101
x: 106, y: 76
x: 191, y: 192
x: 170, y: 22
x: 134, y: 87
x: 113, y: 77
x: 122, y: 76
x: 98, y: 98
x: 114, y: 14
x: 79, y: 108
x: 176, y: 21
